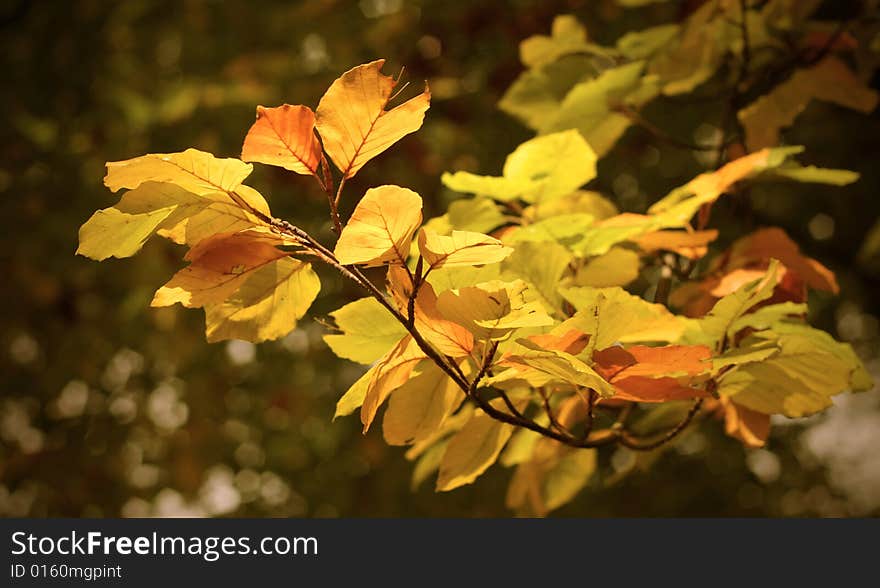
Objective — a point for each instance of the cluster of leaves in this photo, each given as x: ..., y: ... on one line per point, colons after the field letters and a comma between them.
x: 504, y: 331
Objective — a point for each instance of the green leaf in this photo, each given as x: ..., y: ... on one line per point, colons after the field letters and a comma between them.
x: 545, y: 167
x: 568, y: 36
x: 542, y: 266
x: 588, y: 106
x: 579, y: 202
x: 644, y: 44
x: 766, y: 316
x: 799, y: 381
x: 565, y: 229
x: 618, y: 267
x: 535, y: 96
x: 368, y: 331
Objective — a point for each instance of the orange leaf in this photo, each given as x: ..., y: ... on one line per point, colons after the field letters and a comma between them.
x: 653, y: 374
x: 772, y: 242
x: 218, y: 266
x: 284, y: 136
x: 692, y: 245
x: 353, y: 122
x: 572, y: 341
x: 749, y: 426
x: 381, y: 227
x: 447, y: 337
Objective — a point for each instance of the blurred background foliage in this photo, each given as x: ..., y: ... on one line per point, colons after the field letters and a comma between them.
x: 110, y: 408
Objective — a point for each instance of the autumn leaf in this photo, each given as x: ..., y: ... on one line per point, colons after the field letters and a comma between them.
x: 614, y: 315
x: 367, y: 331
x: 195, y: 171
x: 353, y: 122
x: 749, y: 426
x: 164, y: 209
x: 551, y: 474
x: 387, y: 375
x: 250, y: 289
x: 461, y: 248
x: 448, y: 337
x: 809, y: 368
x: 538, y: 367
x: 679, y: 206
x: 493, y: 309
x: 284, y: 136
x: 473, y: 449
x: 543, y: 168
x: 690, y: 244
x: 419, y: 407
x: 654, y: 374
x: 380, y: 228
x: 830, y: 80
x: 746, y: 260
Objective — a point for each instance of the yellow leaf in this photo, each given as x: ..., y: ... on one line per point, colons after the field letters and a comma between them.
x: 195, y: 171
x: 381, y: 227
x: 446, y: 336
x: 462, y: 248
x: 387, y: 375
x: 368, y: 331
x: 250, y: 289
x: 798, y: 381
x: 284, y: 136
x: 830, y: 80
x: 539, y: 367
x: 618, y: 267
x: 567, y: 36
x: 353, y: 122
x: 542, y: 266
x: 493, y: 309
x: 473, y: 450
x: 614, y: 315
x: 419, y: 407
x: 554, y: 473
x: 543, y: 168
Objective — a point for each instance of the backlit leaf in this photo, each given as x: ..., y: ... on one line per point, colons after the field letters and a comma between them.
x: 830, y: 80
x: 368, y: 331
x: 461, y: 248
x: 164, y: 209
x: 542, y: 168
x: 380, y: 227
x: 493, y: 309
x: 473, y: 449
x: 614, y: 315
x: 419, y: 407
x: 387, y: 375
x: 250, y: 289
x: 654, y: 374
x: 284, y: 136
x: 353, y: 122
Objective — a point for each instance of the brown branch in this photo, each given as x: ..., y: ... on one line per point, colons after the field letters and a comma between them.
x: 631, y: 441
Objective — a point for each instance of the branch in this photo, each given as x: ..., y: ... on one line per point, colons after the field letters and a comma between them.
x: 631, y: 441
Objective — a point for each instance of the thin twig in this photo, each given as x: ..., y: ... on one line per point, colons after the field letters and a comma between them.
x: 638, y: 444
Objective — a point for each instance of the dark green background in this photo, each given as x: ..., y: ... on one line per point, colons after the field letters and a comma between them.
x: 110, y: 408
